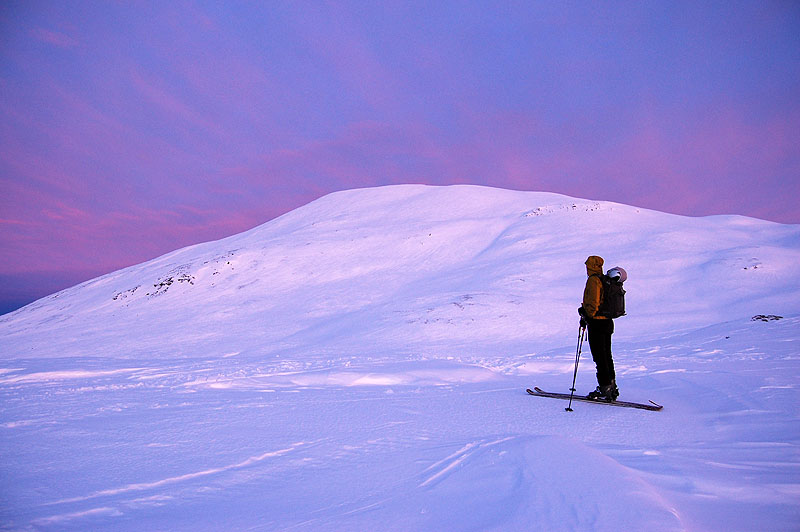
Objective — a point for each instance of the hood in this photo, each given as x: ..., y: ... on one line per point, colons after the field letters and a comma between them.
x: 594, y: 265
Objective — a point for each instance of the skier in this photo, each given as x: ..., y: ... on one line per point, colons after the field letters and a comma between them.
x: 600, y: 329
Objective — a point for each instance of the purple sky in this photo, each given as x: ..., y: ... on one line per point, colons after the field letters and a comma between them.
x: 129, y: 129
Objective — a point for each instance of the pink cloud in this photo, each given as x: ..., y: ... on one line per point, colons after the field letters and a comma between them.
x: 7, y: 222
x: 332, y: 33
x: 168, y: 101
x: 77, y: 239
x: 704, y: 163
x: 55, y: 38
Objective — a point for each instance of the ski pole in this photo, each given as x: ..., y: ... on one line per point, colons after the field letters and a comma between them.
x: 581, y: 331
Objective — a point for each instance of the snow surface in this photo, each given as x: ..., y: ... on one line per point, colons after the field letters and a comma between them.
x: 361, y: 362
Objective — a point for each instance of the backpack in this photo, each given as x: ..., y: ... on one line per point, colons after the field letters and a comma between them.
x: 612, y: 304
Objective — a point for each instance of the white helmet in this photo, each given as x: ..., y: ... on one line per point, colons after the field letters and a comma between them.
x: 618, y: 273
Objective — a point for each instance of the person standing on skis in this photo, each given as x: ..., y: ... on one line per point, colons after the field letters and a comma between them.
x: 600, y: 329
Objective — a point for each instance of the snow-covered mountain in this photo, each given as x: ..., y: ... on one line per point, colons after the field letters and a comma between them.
x: 415, y: 268
x: 357, y: 364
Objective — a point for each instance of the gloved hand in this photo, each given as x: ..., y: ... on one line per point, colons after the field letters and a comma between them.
x: 583, y: 323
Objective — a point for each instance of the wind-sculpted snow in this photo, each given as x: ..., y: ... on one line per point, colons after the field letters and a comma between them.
x: 361, y: 364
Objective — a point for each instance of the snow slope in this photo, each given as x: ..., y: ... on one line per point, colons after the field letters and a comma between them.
x: 360, y: 364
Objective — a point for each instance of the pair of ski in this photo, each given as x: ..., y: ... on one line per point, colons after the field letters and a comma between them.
x: 627, y: 404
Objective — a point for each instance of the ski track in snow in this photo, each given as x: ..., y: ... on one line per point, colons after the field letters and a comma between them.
x: 341, y: 369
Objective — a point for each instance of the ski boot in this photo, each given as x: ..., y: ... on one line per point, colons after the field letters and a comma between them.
x: 611, y: 391
x: 606, y: 393
x: 597, y: 395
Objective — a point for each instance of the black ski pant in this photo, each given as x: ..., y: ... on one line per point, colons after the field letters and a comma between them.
x: 600, y: 332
